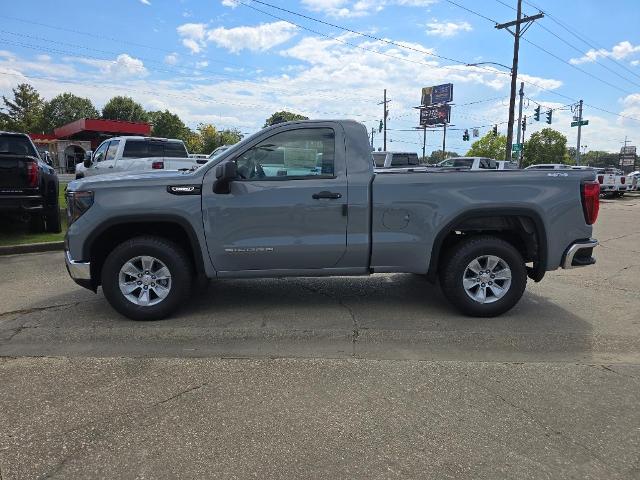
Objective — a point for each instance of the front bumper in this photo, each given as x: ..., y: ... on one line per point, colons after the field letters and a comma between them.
x: 80, y: 272
x: 580, y: 254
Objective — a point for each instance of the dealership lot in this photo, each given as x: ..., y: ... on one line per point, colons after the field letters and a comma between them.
x: 336, y: 377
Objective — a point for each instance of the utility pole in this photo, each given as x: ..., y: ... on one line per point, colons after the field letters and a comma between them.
x: 444, y: 140
x: 524, y: 130
x: 579, y: 132
x: 372, y: 132
x: 514, y: 68
x: 385, y: 112
x: 424, y: 143
x: 520, y: 121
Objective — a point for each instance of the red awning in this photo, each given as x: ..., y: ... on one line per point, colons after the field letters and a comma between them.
x: 113, y: 127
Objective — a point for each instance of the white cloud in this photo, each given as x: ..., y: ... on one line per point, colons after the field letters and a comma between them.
x: 618, y: 52
x: 230, y: 3
x: 358, y: 8
x: 171, y: 59
x: 202, y: 64
x: 124, y: 66
x: 258, y: 38
x: 195, y: 36
x: 635, y: 63
x: 447, y: 29
x: 145, y: 2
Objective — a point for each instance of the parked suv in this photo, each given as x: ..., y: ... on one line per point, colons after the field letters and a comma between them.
x: 395, y: 159
x: 137, y: 154
x: 28, y: 185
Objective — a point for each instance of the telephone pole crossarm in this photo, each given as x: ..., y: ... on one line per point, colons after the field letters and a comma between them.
x: 531, y: 18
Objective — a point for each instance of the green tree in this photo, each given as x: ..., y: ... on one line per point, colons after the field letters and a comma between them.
x: 600, y: 158
x: 168, y: 125
x: 546, y: 146
x: 283, y: 116
x: 124, y: 108
x: 211, y: 138
x: 24, y: 112
x: 66, y: 108
x: 436, y: 156
x: 489, y: 146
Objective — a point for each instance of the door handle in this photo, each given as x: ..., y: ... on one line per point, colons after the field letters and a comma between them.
x: 111, y: 166
x: 326, y: 194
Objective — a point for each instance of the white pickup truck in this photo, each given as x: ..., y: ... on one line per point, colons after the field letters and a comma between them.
x: 137, y: 154
x: 478, y: 163
x: 613, y: 183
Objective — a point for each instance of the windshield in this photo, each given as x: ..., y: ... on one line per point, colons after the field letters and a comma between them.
x: 16, y: 145
x: 462, y: 162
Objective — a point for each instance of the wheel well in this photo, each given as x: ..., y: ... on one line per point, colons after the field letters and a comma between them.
x: 114, y: 235
x: 522, y: 231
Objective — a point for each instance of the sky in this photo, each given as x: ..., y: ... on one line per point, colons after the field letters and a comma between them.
x: 234, y: 62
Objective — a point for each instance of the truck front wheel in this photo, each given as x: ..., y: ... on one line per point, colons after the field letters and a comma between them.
x: 483, y: 276
x: 146, y: 278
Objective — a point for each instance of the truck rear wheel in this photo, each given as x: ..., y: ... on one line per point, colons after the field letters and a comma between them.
x: 147, y: 278
x: 484, y: 276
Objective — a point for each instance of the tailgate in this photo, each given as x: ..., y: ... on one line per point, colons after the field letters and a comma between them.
x: 14, y: 177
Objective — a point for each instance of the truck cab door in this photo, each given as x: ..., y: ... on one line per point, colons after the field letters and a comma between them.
x: 97, y: 161
x: 109, y: 163
x: 286, y: 209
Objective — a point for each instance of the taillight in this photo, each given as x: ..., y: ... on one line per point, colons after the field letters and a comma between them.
x: 590, y: 195
x: 157, y: 165
x: 623, y: 180
x: 600, y: 179
x: 32, y: 174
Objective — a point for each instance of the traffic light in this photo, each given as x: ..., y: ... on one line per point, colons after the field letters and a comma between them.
x: 495, y: 130
x: 381, y: 126
x: 536, y: 115
x: 465, y: 136
x: 549, y: 114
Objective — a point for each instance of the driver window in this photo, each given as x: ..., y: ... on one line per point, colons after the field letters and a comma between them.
x: 99, y: 155
x: 291, y: 155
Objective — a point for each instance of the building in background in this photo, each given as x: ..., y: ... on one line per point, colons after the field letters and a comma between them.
x: 68, y: 143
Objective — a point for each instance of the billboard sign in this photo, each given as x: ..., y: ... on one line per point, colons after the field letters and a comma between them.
x: 432, y: 116
x: 436, y: 95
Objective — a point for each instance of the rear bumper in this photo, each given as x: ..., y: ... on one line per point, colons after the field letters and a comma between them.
x: 14, y: 203
x: 80, y: 272
x: 579, y: 254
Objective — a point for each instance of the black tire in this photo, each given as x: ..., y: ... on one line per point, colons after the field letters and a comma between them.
x: 52, y: 219
x: 175, y: 259
x: 36, y: 223
x: 454, y: 267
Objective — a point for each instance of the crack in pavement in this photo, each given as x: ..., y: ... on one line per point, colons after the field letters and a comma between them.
x: 355, y: 333
x: 544, y: 426
x: 25, y: 311
x: 617, y: 238
x: 179, y: 394
x: 105, y: 419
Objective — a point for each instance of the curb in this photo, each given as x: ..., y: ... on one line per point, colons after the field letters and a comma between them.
x: 32, y: 248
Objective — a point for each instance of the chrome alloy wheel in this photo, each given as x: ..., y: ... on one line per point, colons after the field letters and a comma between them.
x: 486, y: 279
x: 144, y: 281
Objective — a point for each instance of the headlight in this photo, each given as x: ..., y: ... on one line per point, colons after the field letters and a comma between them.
x: 78, y: 203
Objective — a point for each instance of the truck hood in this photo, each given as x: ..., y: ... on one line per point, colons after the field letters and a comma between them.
x: 160, y: 177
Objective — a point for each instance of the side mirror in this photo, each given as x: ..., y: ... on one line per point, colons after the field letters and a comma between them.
x: 87, y: 158
x: 225, y: 174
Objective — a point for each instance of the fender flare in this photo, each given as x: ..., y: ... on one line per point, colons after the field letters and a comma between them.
x: 539, y: 267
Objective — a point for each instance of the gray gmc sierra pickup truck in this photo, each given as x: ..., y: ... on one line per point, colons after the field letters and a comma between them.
x: 302, y: 199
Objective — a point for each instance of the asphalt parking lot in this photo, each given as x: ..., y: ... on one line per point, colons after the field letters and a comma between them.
x: 327, y: 378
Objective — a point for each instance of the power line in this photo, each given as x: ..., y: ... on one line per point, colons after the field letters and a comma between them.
x: 581, y: 37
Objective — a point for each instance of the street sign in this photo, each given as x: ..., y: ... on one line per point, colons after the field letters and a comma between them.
x: 431, y: 116
x: 582, y: 123
x: 437, y: 94
x: 476, y: 132
x: 516, y: 147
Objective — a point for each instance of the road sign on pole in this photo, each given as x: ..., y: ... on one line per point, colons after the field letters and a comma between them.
x: 580, y: 123
x: 516, y: 147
